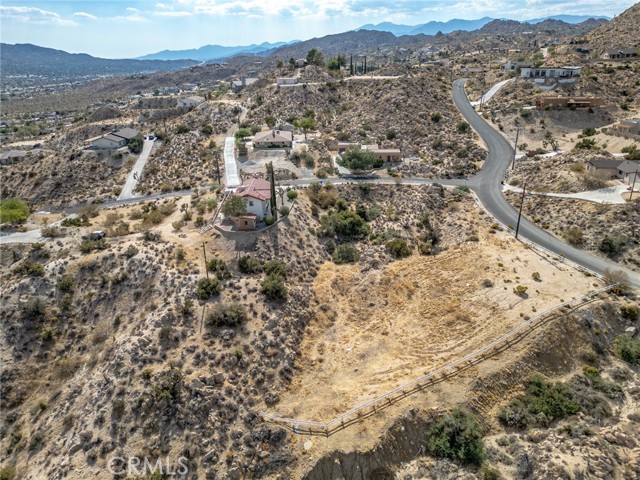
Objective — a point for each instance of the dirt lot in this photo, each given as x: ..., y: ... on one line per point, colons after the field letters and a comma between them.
x: 378, y: 329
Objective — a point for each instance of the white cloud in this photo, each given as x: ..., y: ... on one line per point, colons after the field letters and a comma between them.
x: 34, y: 16
x: 173, y: 14
x: 85, y: 15
x: 134, y: 17
x: 132, y: 9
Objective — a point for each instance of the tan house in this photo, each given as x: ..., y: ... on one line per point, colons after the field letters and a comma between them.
x: 273, y: 139
x: 627, y: 128
x: 387, y: 155
x: 605, y: 168
x: 621, y: 53
x: 569, y: 102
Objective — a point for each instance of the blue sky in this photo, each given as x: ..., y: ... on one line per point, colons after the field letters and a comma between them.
x: 125, y: 28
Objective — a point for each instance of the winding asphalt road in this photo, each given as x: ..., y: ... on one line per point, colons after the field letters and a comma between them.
x: 487, y: 186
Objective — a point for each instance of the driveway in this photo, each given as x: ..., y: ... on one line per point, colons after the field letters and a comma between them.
x: 136, y: 172
x: 492, y: 91
x: 231, y: 177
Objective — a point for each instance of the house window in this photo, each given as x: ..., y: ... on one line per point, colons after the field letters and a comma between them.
x: 250, y: 203
x: 246, y: 223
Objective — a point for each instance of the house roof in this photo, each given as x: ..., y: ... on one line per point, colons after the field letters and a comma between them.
x: 111, y: 137
x: 386, y: 151
x: 255, y: 188
x: 273, y: 136
x: 605, y: 163
x: 13, y: 154
x: 624, y: 51
x: 126, y: 133
x: 629, y: 167
x: 194, y: 99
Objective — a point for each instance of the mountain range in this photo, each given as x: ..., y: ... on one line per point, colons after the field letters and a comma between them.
x: 214, y: 52
x: 431, y: 28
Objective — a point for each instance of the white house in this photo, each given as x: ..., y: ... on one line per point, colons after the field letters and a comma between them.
x: 545, y: 72
x: 286, y: 81
x: 189, y: 102
x: 256, y: 194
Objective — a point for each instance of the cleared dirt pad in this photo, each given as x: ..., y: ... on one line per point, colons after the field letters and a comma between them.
x: 377, y: 329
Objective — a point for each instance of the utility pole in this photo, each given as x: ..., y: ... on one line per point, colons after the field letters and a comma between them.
x: 524, y: 189
x: 351, y: 65
x: 365, y: 65
x: 633, y: 184
x: 515, y: 149
x: 216, y: 156
x: 204, y: 251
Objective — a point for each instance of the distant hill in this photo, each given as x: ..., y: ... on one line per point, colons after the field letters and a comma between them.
x: 431, y: 28
x: 214, y: 52
x: 28, y: 59
x: 623, y: 31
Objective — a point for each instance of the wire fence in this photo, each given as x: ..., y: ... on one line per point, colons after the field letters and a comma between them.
x: 438, y: 375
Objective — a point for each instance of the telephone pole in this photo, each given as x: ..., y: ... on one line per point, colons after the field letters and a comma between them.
x: 633, y: 184
x: 204, y: 251
x: 524, y: 189
x: 515, y: 149
x: 216, y: 156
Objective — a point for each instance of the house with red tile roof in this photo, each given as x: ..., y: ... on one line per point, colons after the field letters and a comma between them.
x: 256, y: 194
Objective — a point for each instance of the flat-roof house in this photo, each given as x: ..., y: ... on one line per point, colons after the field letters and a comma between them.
x: 387, y: 155
x: 620, y: 53
x: 569, y: 102
x: 189, y: 102
x: 607, y: 168
x: 515, y: 66
x: 286, y: 81
x: 239, y: 85
x: 627, y: 128
x: 273, y: 139
x: 11, y: 156
x: 114, y: 140
x: 343, y: 146
x: 546, y: 72
x: 256, y: 194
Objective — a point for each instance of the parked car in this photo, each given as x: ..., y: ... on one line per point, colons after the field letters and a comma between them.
x: 97, y: 235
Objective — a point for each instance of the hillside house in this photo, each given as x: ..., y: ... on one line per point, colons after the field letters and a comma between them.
x: 569, y: 102
x: 114, y: 140
x: 621, y: 53
x: 515, y: 66
x: 629, y: 171
x: 11, y: 156
x: 256, y: 194
x: 545, y: 72
x: 189, y: 102
x: 239, y: 85
x: 387, y: 155
x: 604, y: 168
x: 627, y: 128
x: 286, y: 81
x: 273, y: 139
x: 301, y: 62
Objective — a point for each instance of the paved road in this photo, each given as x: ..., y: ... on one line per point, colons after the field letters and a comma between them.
x: 488, y: 188
x: 230, y: 166
x: 136, y: 172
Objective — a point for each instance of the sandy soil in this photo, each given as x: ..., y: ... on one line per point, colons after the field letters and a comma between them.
x: 384, y: 327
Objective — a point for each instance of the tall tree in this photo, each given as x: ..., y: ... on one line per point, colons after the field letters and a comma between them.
x: 274, y: 200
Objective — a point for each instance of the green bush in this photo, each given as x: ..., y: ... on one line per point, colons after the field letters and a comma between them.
x: 249, y: 264
x: 88, y: 246
x: 131, y: 251
x: 13, y: 210
x: 207, y: 288
x: 456, y: 436
x: 574, y: 236
x: 398, y: 248
x: 31, y: 268
x: 345, y: 223
x: 220, y: 268
x: 463, y: 127
x: 627, y: 348
x: 226, y: 315
x: 542, y: 403
x: 182, y: 128
x: 630, y: 312
x: 273, y: 287
x: 358, y: 159
x: 284, y: 210
x: 520, y: 290
x: 81, y: 221
x: 66, y: 283
x: 346, y: 253
x: 292, y: 195
x: 275, y: 267
x: 611, y: 246
x: 269, y: 220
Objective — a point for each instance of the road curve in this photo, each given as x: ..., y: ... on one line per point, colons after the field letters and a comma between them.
x: 488, y: 187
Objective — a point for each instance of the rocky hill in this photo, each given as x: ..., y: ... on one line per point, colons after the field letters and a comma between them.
x: 622, y: 31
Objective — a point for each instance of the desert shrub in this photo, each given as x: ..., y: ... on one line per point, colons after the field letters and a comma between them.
x: 618, y: 278
x: 269, y: 220
x: 577, y: 167
x: 31, y: 268
x: 487, y: 472
x: 34, y: 308
x: 586, y: 144
x: 346, y: 253
x: 168, y: 385
x: 436, y: 117
x: 627, y: 348
x: 51, y: 231
x: 520, y: 290
x: 242, y: 133
x: 131, y: 251
x: 81, y: 221
x: 574, y: 236
x: 358, y: 159
x: 542, y: 403
x: 367, y: 214
x: 207, y: 288
x: 630, y: 312
x: 273, y: 287
x: 182, y: 128
x: 398, y: 248
x: 226, y: 315
x: 456, y: 436
x: 589, y: 131
x: 66, y: 283
x: 611, y: 245
x: 13, y: 210
x: 88, y: 246
x: 346, y: 224
x: 284, y: 210
x: 292, y: 195
x: 219, y: 267
x: 536, y: 276
x: 249, y: 264
x: 463, y: 127
x: 275, y: 267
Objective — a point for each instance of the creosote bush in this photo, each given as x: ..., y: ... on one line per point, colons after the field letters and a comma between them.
x: 249, y: 264
x: 226, y: 315
x: 456, y: 436
x: 207, y: 288
x: 346, y: 253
